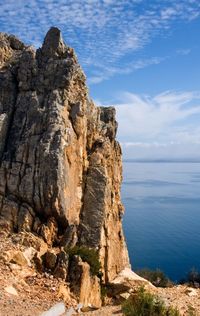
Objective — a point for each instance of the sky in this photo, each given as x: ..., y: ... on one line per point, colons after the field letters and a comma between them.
x: 141, y: 56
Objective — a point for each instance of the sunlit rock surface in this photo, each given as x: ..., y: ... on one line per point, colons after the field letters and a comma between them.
x: 60, y: 164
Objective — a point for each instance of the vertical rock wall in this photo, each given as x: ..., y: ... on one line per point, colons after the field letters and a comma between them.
x: 60, y: 165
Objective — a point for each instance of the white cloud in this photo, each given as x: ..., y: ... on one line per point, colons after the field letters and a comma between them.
x: 147, y: 118
x: 166, y: 122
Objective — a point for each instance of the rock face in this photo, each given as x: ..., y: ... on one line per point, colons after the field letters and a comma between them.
x: 60, y: 165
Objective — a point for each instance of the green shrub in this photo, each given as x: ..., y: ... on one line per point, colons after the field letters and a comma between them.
x: 191, y: 311
x: 104, y: 291
x: 156, y: 277
x: 146, y: 304
x: 193, y: 276
x: 87, y: 255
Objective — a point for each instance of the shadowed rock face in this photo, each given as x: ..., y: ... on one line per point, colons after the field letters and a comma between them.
x: 60, y: 165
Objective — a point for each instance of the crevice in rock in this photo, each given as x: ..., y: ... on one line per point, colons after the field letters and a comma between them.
x: 10, y: 120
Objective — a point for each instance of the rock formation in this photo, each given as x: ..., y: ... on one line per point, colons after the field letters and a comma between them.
x: 60, y: 165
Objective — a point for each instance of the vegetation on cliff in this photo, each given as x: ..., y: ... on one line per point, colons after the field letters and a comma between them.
x: 87, y: 255
x: 143, y: 303
x: 156, y: 277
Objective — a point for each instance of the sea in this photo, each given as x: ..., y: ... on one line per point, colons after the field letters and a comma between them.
x: 162, y: 216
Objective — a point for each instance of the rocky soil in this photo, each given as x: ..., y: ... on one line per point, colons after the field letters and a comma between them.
x: 24, y: 291
x: 184, y: 298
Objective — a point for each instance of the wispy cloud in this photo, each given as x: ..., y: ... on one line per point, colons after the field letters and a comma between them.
x: 165, y: 125
x: 102, y: 72
x: 106, y: 72
x: 143, y: 145
x: 170, y: 117
x: 183, y: 51
x: 102, y: 32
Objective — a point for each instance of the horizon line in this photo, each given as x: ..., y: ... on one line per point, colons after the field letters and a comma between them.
x: 163, y: 160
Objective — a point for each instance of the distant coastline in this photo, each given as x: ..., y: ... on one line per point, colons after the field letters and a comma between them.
x: 162, y: 160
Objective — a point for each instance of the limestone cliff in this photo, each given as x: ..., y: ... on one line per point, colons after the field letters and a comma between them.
x: 60, y: 165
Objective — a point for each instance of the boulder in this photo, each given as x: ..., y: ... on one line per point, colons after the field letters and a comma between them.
x: 64, y: 293
x: 57, y: 310
x: 11, y: 290
x: 83, y: 284
x: 19, y: 258
x: 127, y: 280
x: 61, y: 269
x: 50, y: 259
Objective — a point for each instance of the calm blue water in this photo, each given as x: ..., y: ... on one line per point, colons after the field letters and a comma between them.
x: 162, y: 217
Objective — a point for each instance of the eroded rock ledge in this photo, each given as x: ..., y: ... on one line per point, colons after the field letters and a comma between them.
x: 60, y: 165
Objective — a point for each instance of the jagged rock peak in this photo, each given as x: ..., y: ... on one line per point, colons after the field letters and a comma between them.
x: 11, y: 40
x: 10, y: 48
x: 53, y: 45
x: 60, y: 164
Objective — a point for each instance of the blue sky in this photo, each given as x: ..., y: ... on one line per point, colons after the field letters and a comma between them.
x: 142, y: 56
